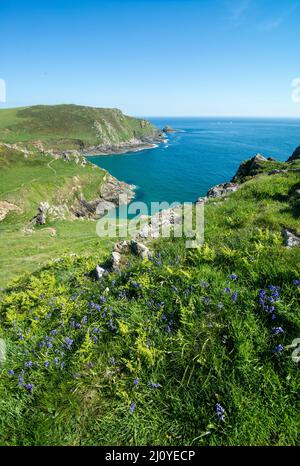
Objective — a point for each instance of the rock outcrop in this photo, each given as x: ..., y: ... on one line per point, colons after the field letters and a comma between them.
x: 41, y: 216
x: 112, y: 194
x: 249, y: 168
x: 6, y: 207
x: 295, y: 155
x: 222, y: 189
x: 290, y: 239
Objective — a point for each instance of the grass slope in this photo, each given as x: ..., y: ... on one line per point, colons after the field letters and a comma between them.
x: 25, y: 181
x: 181, y: 350
x: 70, y: 126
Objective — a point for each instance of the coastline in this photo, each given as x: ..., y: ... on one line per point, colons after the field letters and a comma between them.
x: 112, y: 150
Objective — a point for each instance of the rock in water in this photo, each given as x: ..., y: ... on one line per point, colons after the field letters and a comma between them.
x: 168, y: 129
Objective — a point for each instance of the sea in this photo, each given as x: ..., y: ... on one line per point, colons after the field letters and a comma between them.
x: 202, y: 153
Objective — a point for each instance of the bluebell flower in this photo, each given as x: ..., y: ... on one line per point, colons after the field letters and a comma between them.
x: 220, y: 411
x: 29, y: 387
x: 220, y: 306
x: 54, y: 332
x: 296, y: 282
x: 46, y: 364
x: 55, y: 360
x: 278, y: 349
x: 132, y: 407
x: 164, y: 317
x: 234, y: 296
x: 277, y: 330
x: 154, y: 385
x: 227, y: 290
x: 20, y: 379
x: 68, y: 342
x: 11, y: 372
x: 233, y: 276
x: 84, y: 320
x: 28, y: 363
x: 168, y: 329
x: 136, y: 381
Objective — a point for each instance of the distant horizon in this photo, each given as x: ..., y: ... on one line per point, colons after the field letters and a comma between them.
x: 274, y: 117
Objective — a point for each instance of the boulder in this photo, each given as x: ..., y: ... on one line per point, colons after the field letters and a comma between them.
x: 295, y: 155
x: 99, y: 272
x: 122, y: 247
x: 40, y: 218
x: 222, y: 190
x: 115, y: 261
x: 290, y: 239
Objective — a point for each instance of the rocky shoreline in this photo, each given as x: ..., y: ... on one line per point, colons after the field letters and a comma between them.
x: 133, y: 145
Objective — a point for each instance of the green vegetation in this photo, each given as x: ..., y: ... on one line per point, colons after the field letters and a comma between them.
x: 27, y: 180
x: 191, y: 348
x: 61, y: 127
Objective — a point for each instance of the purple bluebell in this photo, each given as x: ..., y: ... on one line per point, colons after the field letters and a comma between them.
x: 28, y: 363
x: 277, y: 330
x: 132, y: 407
x: 234, y: 296
x: 278, y: 349
x: 154, y: 385
x: 68, y: 342
x: 11, y: 372
x: 136, y: 381
x: 220, y: 412
x: 233, y: 276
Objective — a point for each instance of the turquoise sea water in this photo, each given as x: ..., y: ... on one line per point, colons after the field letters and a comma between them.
x: 205, y: 152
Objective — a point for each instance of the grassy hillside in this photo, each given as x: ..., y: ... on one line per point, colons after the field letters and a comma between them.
x: 70, y: 126
x: 25, y: 181
x: 191, y: 348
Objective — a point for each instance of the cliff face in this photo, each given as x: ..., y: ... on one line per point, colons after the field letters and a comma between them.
x: 72, y: 127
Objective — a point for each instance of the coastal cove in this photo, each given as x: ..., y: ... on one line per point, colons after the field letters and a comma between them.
x: 204, y: 152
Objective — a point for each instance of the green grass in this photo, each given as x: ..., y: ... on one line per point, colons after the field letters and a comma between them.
x: 168, y: 322
x: 61, y: 127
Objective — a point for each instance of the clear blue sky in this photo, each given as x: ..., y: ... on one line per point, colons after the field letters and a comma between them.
x: 155, y: 57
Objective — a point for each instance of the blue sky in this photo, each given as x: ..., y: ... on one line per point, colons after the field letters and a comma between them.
x: 158, y: 57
